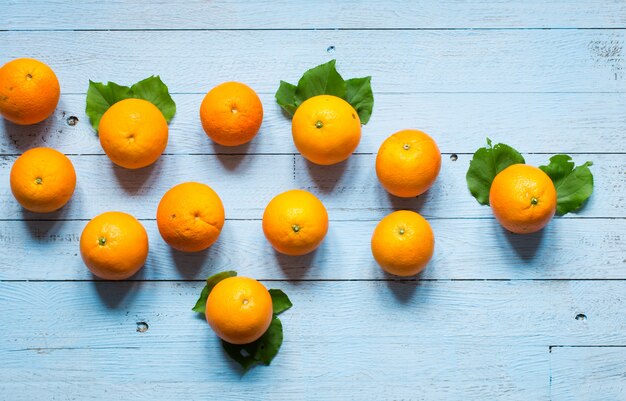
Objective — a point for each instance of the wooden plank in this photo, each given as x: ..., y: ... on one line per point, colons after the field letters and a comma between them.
x: 246, y: 183
x: 465, y: 249
x: 231, y: 14
x: 404, y: 61
x: 412, y: 314
x: 588, y: 373
x: 563, y: 122
x: 334, y: 371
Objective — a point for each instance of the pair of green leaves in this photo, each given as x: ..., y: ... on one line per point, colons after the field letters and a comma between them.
x: 325, y: 80
x: 100, y: 97
x: 573, y: 184
x: 263, y: 350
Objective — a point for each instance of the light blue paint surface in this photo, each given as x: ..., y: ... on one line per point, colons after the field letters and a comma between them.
x: 494, y: 316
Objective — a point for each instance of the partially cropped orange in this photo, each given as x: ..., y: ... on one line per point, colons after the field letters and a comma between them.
x: 114, y: 245
x: 295, y: 222
x: 239, y: 310
x: 190, y: 217
x: 43, y: 180
x: 408, y: 163
x: 133, y: 133
x: 326, y: 129
x: 29, y: 91
x: 403, y: 243
x: 231, y: 114
x: 523, y: 198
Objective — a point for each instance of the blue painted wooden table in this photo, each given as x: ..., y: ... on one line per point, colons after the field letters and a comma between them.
x: 494, y: 316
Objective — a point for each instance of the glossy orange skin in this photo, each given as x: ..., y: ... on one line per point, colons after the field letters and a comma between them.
x: 133, y: 133
x: 295, y: 222
x: 114, y: 245
x: 29, y: 91
x: 239, y: 310
x: 408, y: 163
x: 231, y: 114
x: 523, y: 198
x: 42, y: 180
x: 403, y: 243
x: 326, y: 129
x: 190, y: 217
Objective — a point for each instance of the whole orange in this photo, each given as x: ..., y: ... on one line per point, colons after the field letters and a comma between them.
x: 231, y: 114
x: 326, y: 129
x: 29, y: 91
x: 133, y: 133
x: 42, y: 180
x: 408, y: 163
x: 403, y: 243
x: 295, y: 222
x: 522, y: 198
x: 190, y: 217
x: 114, y: 245
x: 239, y: 310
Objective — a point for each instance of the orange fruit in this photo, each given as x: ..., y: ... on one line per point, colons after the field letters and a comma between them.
x: 29, y: 91
x: 408, y: 163
x: 326, y: 129
x: 239, y: 310
x: 295, y: 222
x: 114, y: 245
x: 133, y: 133
x: 190, y: 217
x: 231, y: 114
x: 522, y: 198
x: 42, y: 180
x: 403, y: 243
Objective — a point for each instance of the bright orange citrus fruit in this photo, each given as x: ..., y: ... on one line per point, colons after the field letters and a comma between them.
x: 522, y: 198
x: 239, y: 310
x: 190, y: 217
x: 114, y: 245
x: 231, y: 114
x: 29, y: 91
x: 408, y: 163
x: 43, y: 180
x: 133, y: 133
x: 295, y: 222
x: 326, y: 129
x: 403, y: 243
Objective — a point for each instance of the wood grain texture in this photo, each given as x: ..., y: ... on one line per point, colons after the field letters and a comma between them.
x: 465, y: 249
x: 588, y: 373
x: 92, y: 333
x: 231, y: 14
x: 494, y: 316
x: 398, y: 61
x: 532, y: 122
x: 246, y: 184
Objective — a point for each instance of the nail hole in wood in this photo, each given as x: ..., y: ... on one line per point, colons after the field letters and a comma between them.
x: 581, y: 316
x: 142, y: 327
x: 72, y: 121
x: 330, y: 49
x: 454, y: 157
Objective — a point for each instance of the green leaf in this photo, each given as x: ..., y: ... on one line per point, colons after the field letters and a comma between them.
x: 280, y: 301
x: 200, y: 305
x: 359, y: 94
x: 286, y: 97
x: 155, y: 91
x: 100, y: 97
x: 574, y: 185
x: 211, y: 282
x: 262, y: 351
x: 486, y: 164
x: 321, y: 80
